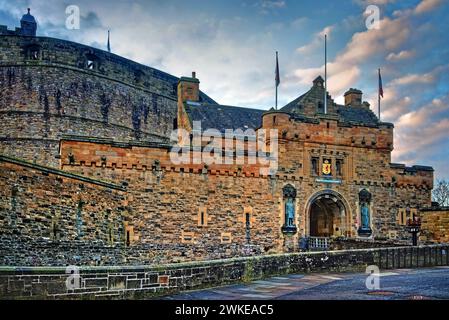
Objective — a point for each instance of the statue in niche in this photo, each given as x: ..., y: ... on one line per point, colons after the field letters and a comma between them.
x: 289, y: 193
x: 290, y: 212
x: 365, y: 217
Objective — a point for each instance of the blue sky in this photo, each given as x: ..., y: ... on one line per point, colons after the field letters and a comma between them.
x: 231, y: 45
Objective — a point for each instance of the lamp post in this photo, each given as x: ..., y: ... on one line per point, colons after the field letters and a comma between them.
x: 414, y: 226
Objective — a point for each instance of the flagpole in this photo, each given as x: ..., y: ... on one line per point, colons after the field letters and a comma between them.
x: 325, y: 74
x: 276, y: 84
x: 378, y: 94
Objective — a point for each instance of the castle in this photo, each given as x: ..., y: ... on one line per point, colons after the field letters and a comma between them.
x: 86, y: 175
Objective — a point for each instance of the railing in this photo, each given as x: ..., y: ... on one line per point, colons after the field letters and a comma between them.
x: 319, y: 243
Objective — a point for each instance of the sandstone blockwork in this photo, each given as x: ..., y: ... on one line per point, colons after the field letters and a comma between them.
x: 86, y: 175
x: 435, y: 224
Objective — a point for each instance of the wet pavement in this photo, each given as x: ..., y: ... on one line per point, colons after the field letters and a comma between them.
x: 402, y: 284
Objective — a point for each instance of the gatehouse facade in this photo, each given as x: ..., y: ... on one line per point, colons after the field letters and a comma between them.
x: 87, y: 176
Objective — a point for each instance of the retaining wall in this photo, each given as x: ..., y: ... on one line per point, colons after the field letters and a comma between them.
x: 150, y: 281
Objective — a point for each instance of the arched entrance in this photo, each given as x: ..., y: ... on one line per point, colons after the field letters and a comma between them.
x: 328, y: 215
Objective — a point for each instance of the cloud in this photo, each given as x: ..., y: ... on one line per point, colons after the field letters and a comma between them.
x: 267, y: 6
x: 402, y: 55
x: 422, y: 133
x: 317, y: 42
x: 427, y: 5
x: 374, y: 2
x: 426, y: 78
x: 273, y: 4
x: 299, y: 22
x: 345, y: 69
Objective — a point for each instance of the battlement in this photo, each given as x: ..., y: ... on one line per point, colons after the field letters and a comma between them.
x: 5, y: 31
x: 329, y: 129
x: 416, y: 175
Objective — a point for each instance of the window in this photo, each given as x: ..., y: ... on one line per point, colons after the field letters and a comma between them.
x: 402, y: 216
x: 129, y: 234
x: 175, y: 123
x: 128, y: 238
x: 92, y: 61
x: 54, y: 232
x: 247, y: 220
x: 110, y: 235
x: 338, y: 167
x: 90, y: 64
x: 315, y: 166
x: 34, y: 54
x: 202, y: 217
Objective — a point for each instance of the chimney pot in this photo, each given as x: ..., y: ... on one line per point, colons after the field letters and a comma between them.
x: 193, y: 74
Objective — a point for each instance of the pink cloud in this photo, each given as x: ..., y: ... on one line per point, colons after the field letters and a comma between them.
x: 402, y: 55
x: 427, y: 5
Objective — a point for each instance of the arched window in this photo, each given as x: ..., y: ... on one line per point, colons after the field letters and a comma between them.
x: 289, y: 201
x: 365, y: 213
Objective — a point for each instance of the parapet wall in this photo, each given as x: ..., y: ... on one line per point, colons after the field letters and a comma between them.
x: 147, y: 281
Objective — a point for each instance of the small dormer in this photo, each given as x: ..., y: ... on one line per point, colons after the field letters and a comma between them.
x: 318, y: 82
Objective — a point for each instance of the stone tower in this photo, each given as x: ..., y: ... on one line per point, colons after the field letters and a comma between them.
x: 28, y: 25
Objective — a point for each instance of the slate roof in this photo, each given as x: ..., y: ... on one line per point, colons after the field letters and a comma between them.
x: 357, y: 115
x: 215, y: 116
x: 222, y: 117
x: 292, y: 105
x: 347, y: 114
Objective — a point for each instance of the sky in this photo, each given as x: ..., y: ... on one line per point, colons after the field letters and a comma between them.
x: 231, y: 45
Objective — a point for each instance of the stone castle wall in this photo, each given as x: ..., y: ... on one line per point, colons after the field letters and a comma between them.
x: 435, y: 224
x: 166, y: 200
x: 56, y: 93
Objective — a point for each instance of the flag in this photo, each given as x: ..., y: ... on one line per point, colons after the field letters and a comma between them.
x: 109, y: 43
x: 278, y: 78
x: 381, y: 90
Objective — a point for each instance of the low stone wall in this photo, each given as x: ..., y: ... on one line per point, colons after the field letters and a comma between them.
x: 141, y: 282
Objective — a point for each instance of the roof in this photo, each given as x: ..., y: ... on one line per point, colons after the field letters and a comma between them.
x: 28, y: 17
x: 357, y: 115
x: 311, y: 103
x: 220, y: 117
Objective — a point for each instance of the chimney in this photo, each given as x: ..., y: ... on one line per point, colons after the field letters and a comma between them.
x: 353, y: 98
x: 189, y: 89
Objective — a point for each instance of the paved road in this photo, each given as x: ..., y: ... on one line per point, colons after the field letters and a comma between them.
x: 403, y: 284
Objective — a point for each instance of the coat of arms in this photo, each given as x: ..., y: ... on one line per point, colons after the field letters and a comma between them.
x: 326, y: 167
